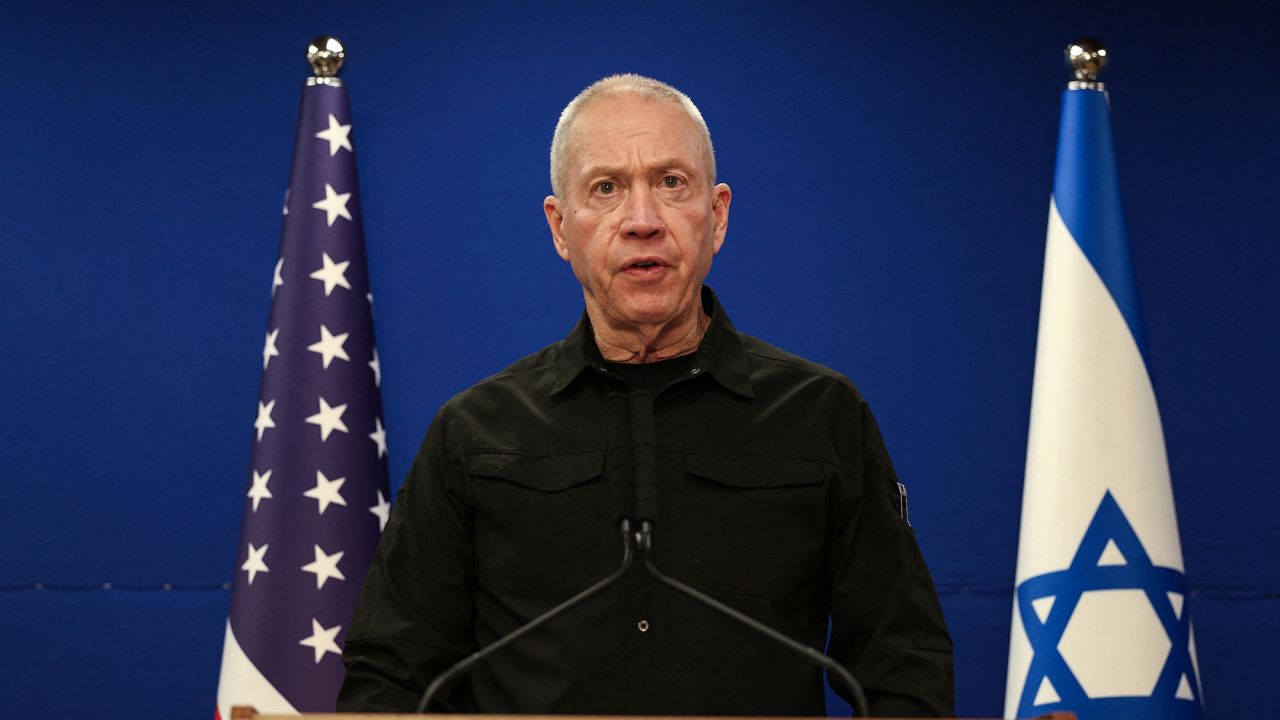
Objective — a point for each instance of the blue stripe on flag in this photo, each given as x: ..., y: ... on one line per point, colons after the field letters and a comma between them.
x: 1086, y: 189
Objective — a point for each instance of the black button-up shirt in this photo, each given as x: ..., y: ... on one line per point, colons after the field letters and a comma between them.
x: 775, y: 495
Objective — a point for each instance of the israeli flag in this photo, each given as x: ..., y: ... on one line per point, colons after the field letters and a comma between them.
x: 1100, y: 619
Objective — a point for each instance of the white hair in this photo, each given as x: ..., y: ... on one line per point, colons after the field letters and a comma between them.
x: 619, y: 85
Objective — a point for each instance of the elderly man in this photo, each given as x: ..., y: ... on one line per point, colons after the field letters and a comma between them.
x: 774, y: 491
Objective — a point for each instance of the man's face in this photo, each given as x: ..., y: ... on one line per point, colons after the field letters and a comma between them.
x: 638, y: 222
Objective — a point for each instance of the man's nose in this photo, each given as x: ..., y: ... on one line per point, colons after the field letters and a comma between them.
x: 642, y: 219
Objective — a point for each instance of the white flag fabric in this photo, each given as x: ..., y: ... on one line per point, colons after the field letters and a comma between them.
x: 1101, y: 624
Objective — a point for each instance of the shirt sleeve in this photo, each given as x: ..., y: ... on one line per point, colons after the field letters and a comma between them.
x: 887, y: 623
x: 413, y: 619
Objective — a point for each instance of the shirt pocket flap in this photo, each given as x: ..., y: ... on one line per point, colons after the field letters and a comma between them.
x: 550, y: 473
x: 754, y: 471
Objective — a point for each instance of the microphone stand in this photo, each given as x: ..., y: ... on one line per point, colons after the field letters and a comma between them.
x: 474, y: 658
x: 643, y: 458
x: 645, y: 537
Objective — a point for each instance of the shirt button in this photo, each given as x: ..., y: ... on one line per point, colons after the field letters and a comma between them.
x: 695, y: 371
x: 643, y: 626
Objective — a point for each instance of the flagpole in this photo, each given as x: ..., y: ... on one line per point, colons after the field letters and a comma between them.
x: 326, y: 55
x: 1086, y: 56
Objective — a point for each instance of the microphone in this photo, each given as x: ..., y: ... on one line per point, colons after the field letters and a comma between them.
x: 622, y: 497
x: 644, y: 462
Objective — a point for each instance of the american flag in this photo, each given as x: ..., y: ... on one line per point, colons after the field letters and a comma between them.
x: 317, y: 497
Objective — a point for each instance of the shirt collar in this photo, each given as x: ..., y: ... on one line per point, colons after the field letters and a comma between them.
x: 721, y: 351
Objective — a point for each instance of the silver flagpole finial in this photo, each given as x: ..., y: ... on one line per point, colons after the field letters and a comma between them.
x: 1086, y: 56
x: 326, y: 54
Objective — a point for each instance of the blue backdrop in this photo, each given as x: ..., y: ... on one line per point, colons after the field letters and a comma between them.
x: 891, y: 167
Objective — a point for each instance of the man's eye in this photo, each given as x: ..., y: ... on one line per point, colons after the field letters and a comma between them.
x: 606, y: 187
x: 672, y: 181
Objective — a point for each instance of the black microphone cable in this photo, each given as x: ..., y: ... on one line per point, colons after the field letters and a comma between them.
x: 643, y: 456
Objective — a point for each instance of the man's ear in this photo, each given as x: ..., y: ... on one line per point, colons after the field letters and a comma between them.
x: 720, y: 197
x: 555, y: 221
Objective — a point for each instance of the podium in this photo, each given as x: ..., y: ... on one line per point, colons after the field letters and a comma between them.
x: 247, y: 713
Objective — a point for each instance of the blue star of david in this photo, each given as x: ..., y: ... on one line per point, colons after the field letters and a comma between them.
x: 1085, y: 574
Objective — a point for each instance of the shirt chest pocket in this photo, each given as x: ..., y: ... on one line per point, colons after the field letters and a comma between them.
x: 538, y: 520
x: 754, y: 524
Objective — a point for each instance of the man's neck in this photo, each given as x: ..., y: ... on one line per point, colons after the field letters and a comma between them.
x: 649, y: 343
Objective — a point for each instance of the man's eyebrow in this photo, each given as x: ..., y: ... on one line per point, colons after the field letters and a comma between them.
x: 672, y: 163
x: 601, y: 170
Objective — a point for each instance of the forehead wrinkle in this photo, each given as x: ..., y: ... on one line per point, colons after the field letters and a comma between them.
x: 637, y: 132
x: 620, y: 169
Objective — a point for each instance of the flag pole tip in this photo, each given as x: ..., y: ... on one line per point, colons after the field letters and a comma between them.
x: 1086, y: 56
x: 326, y: 54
